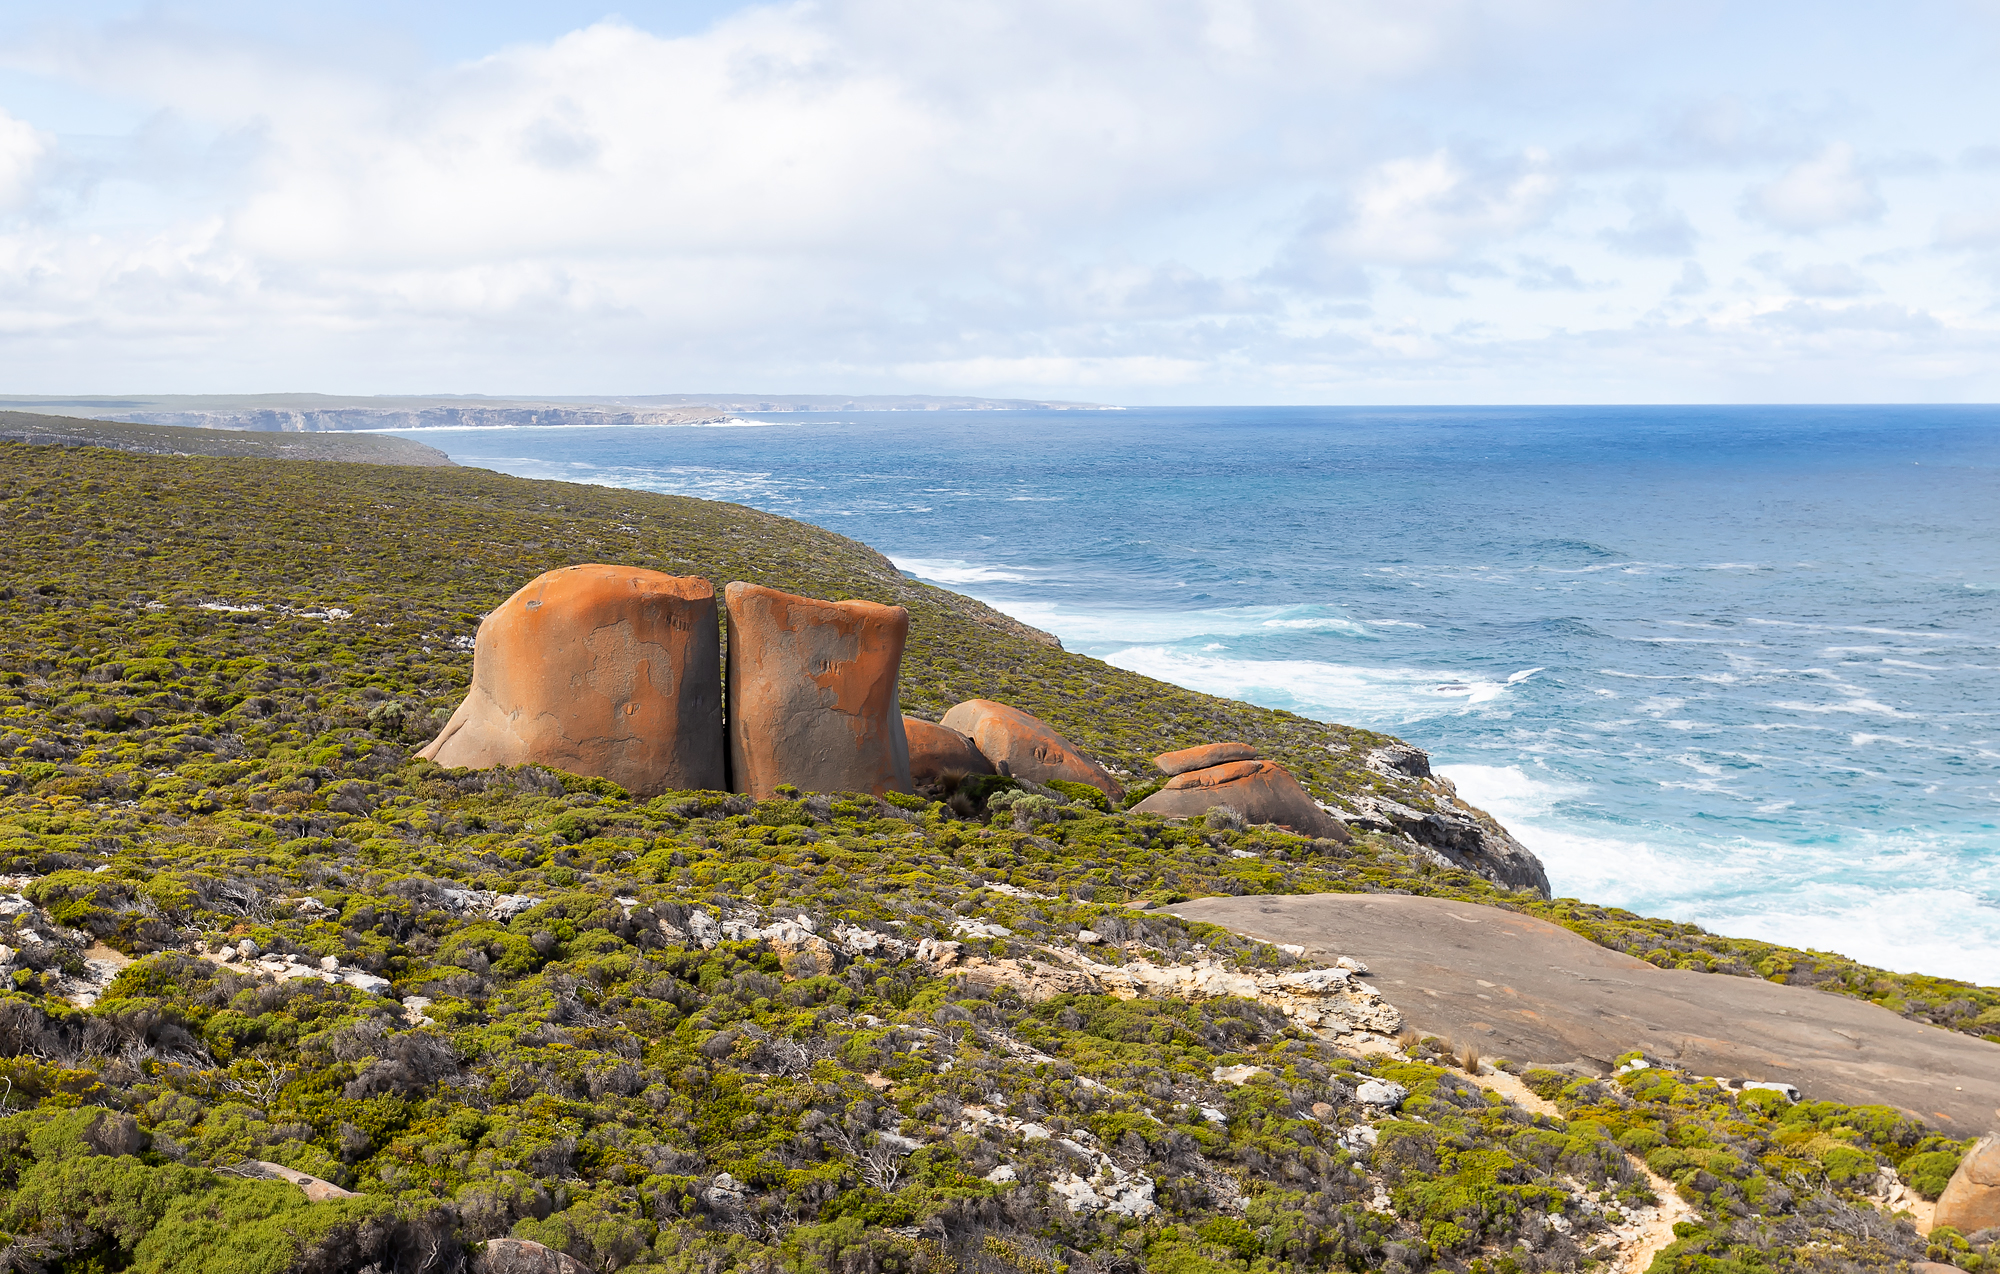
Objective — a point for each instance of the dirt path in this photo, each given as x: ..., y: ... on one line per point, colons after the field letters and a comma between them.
x: 1645, y: 1230
x: 1652, y: 1229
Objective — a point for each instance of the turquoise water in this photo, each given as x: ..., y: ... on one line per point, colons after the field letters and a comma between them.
x: 1739, y: 666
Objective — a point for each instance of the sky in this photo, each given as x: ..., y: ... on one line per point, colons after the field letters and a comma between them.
x: 1126, y: 201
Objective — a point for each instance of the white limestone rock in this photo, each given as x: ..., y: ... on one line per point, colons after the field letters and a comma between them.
x: 1381, y: 1092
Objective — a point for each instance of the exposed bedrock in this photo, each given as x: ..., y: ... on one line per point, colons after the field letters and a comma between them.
x: 1971, y: 1202
x: 1456, y: 833
x: 1201, y: 758
x: 1026, y: 747
x: 813, y: 693
x: 936, y: 751
x: 1261, y: 791
x: 610, y: 671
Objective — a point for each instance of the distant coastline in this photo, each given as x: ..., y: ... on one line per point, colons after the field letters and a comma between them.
x: 316, y: 413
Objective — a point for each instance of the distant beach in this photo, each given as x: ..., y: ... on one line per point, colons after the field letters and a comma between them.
x: 1733, y: 665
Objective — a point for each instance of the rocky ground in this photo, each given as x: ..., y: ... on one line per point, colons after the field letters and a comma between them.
x: 1514, y: 986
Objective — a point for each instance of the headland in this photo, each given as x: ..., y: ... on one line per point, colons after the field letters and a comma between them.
x: 283, y: 989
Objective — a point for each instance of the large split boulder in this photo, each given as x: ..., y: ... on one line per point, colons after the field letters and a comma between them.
x: 1971, y: 1200
x: 937, y: 750
x: 1026, y: 747
x: 1261, y: 791
x: 611, y: 671
x: 813, y: 696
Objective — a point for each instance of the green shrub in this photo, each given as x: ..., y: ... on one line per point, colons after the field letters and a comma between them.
x: 1082, y: 792
x: 1929, y: 1173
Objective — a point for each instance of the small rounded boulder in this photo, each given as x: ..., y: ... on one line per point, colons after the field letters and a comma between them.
x: 1026, y: 747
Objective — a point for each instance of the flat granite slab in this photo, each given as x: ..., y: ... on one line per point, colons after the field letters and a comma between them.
x: 1527, y: 990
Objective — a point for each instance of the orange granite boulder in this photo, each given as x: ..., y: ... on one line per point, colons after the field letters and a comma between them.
x: 1025, y: 747
x: 1204, y: 756
x: 813, y: 693
x: 1971, y: 1200
x: 936, y: 751
x: 1261, y: 791
x: 610, y: 671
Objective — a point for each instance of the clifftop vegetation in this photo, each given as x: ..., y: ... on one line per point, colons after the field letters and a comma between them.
x: 694, y: 1033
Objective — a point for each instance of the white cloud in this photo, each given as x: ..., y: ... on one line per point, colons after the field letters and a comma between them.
x: 22, y: 149
x: 1969, y: 230
x: 1538, y: 274
x: 1817, y: 194
x: 1173, y: 196
x: 1825, y: 279
x: 1428, y: 216
x: 1655, y: 229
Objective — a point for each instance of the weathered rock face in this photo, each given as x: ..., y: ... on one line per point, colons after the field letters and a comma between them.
x: 1026, y: 747
x: 1261, y: 791
x: 1971, y: 1201
x: 610, y: 671
x: 936, y: 751
x: 813, y: 693
x: 317, y: 1190
x: 1456, y: 833
x: 524, y: 1256
x: 1204, y: 756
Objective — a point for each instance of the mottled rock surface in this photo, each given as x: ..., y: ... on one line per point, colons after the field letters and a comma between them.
x: 611, y: 671
x: 936, y: 751
x: 1026, y: 747
x: 1971, y: 1202
x: 1454, y: 832
x: 1532, y: 991
x: 813, y: 696
x: 524, y: 1256
x: 1201, y: 758
x: 317, y: 1189
x: 1261, y: 791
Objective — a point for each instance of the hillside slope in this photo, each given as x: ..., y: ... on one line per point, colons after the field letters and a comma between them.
x: 699, y: 1033
x: 174, y: 440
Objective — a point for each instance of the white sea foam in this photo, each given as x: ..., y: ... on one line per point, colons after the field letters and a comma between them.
x: 1904, y: 900
x: 1101, y: 630
x: 953, y: 570
x: 1355, y: 694
x: 1323, y: 624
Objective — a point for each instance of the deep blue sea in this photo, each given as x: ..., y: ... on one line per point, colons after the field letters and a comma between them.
x: 1734, y: 665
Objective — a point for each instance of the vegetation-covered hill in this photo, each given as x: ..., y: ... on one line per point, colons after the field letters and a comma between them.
x: 696, y: 1032
x: 178, y: 440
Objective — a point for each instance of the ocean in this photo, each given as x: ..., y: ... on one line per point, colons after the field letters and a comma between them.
x: 1732, y: 665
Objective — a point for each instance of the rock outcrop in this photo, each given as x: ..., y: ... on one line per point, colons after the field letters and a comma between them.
x: 1201, y: 758
x: 1971, y: 1201
x: 524, y: 1256
x: 1026, y: 747
x: 813, y: 694
x: 317, y: 1189
x: 1453, y: 832
x: 936, y: 751
x: 1261, y: 791
x: 611, y: 671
